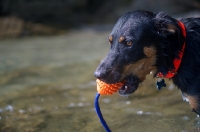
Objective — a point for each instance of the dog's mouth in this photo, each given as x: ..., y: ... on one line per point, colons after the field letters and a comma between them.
x: 130, y: 86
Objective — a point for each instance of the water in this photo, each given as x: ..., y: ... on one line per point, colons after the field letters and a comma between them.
x: 47, y: 85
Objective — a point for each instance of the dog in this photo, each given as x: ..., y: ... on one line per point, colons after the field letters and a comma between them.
x: 144, y: 42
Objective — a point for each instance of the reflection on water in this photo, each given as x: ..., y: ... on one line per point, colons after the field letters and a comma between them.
x: 47, y: 85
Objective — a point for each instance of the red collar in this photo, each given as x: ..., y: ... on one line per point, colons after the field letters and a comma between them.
x: 177, y: 61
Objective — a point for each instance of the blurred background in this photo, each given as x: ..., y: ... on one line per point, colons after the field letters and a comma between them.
x: 50, y: 17
x: 49, y: 50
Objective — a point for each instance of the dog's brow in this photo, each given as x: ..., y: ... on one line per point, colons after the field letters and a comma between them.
x: 110, y: 38
x: 121, y: 39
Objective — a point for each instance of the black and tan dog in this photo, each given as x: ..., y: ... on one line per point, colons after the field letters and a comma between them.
x: 142, y: 42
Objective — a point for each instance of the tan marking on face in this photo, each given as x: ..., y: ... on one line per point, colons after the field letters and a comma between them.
x: 192, y: 101
x: 142, y: 67
x: 149, y: 51
x: 110, y: 38
x: 121, y: 39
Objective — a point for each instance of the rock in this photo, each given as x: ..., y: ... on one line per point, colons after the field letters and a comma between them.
x: 11, y: 27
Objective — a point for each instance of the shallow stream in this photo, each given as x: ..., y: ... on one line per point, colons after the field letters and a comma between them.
x: 47, y: 85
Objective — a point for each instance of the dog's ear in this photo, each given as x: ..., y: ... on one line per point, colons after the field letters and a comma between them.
x: 168, y: 28
x: 164, y: 24
x: 165, y: 29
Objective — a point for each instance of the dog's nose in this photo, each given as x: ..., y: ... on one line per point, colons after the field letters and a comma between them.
x: 99, y: 75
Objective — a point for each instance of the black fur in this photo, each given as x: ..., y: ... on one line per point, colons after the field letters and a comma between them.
x: 146, y: 29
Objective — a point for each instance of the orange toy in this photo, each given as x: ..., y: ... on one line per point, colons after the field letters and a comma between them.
x: 108, y: 89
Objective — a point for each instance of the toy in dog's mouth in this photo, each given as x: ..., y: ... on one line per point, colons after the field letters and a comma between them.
x: 124, y: 88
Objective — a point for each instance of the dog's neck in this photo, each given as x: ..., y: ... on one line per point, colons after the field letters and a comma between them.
x: 176, y: 61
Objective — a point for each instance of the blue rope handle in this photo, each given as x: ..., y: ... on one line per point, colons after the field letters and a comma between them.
x: 98, y: 111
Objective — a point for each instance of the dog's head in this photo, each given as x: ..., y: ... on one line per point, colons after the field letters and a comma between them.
x: 139, y: 45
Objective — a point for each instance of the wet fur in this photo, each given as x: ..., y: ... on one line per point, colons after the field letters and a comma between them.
x: 156, y: 39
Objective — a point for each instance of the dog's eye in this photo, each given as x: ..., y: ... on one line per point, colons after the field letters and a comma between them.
x: 129, y: 43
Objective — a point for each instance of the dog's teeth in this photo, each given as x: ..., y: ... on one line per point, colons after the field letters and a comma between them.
x: 151, y: 72
x: 126, y: 87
